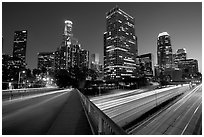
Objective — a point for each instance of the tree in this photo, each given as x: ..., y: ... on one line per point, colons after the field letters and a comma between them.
x: 63, y: 78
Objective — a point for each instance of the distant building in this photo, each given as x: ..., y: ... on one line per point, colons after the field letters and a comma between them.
x: 95, y: 62
x: 96, y: 65
x: 120, y: 46
x: 6, y: 67
x: 11, y: 68
x: 173, y: 74
x: 189, y: 67
x: 46, y: 60
x: 179, y: 55
x: 19, y: 47
x: 95, y: 58
x: 84, y: 58
x: 145, y: 63
x: 164, y: 50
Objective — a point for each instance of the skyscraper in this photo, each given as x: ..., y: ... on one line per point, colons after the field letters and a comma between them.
x: 164, y: 50
x: 120, y: 45
x: 70, y: 53
x: 19, y: 46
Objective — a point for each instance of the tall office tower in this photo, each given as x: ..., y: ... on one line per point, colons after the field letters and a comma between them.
x: 63, y: 53
x: 46, y: 60
x: 70, y: 54
x: 120, y: 46
x: 68, y: 35
x: 19, y: 46
x: 164, y: 50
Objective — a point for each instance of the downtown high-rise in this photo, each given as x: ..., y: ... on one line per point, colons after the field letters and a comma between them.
x: 19, y: 48
x: 164, y: 50
x: 70, y: 54
x: 120, y: 46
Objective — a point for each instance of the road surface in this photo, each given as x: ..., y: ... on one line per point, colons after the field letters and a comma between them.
x: 33, y: 113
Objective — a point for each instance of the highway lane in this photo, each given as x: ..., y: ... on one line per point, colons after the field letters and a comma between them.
x: 105, y: 98
x: 181, y: 118
x: 34, y: 114
x: 124, y: 108
x: 120, y: 94
x: 115, y: 101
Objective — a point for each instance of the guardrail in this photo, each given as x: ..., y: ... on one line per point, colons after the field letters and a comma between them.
x: 101, y: 123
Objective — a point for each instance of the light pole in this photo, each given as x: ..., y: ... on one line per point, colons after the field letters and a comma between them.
x: 19, y: 77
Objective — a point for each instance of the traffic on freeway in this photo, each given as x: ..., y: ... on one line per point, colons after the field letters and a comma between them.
x: 182, y: 118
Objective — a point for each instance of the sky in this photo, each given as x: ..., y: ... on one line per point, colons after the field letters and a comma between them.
x: 45, y: 24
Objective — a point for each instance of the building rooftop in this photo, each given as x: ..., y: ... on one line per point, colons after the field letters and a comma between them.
x: 163, y: 34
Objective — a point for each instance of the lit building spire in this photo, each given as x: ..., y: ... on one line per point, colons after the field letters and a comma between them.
x: 68, y: 28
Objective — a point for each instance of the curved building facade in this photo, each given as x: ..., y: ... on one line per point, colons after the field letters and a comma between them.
x: 164, y: 50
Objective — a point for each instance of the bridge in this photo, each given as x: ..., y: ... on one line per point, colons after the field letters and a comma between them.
x: 61, y: 112
x: 69, y: 112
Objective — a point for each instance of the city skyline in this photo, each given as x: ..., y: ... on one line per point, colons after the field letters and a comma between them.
x: 45, y: 31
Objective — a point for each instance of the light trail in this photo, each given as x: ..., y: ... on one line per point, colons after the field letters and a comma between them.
x: 120, y: 101
x: 7, y: 102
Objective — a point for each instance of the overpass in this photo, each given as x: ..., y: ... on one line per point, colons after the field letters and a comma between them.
x: 63, y: 112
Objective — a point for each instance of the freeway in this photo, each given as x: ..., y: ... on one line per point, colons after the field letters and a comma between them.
x: 27, y: 112
x: 125, y: 107
x: 182, y: 118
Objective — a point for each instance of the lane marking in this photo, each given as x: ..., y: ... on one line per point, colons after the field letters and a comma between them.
x: 7, y: 102
x: 191, y: 116
x: 185, y: 97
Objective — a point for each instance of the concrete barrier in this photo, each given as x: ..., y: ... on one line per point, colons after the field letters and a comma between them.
x: 101, y: 123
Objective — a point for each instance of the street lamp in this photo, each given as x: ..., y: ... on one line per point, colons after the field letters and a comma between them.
x: 19, y: 77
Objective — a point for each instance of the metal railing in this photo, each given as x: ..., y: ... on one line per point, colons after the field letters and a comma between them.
x: 100, y: 122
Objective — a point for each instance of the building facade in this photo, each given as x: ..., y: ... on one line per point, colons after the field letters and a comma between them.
x: 146, y: 64
x: 46, y: 60
x: 189, y: 67
x: 84, y: 58
x: 180, y: 54
x: 19, y: 46
x: 164, y: 50
x: 120, y: 46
